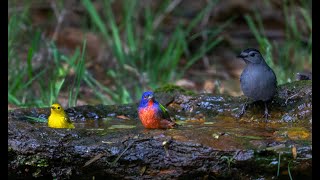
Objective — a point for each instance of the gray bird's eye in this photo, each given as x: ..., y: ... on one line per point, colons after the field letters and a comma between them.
x: 252, y: 54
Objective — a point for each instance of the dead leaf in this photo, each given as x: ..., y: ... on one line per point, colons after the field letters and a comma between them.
x: 121, y: 126
x: 143, y: 170
x: 123, y: 117
x: 294, y: 151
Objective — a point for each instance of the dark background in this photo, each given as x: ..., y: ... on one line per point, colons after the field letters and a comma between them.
x: 192, y: 44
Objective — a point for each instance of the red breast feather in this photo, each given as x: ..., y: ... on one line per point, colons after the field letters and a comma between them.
x: 150, y: 119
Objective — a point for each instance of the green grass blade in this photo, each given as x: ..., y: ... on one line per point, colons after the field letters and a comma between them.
x: 130, y: 6
x: 36, y: 119
x: 117, y: 44
x: 194, y: 22
x: 307, y: 17
x: 80, y: 68
x: 201, y: 53
x: 289, y: 172
x: 30, y: 81
x: 96, y: 18
x: 12, y: 99
x: 34, y: 48
x: 279, y: 159
x: 94, y: 84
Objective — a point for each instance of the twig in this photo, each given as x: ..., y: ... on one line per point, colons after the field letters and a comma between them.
x: 94, y: 159
x: 296, y: 94
x: 60, y: 18
x: 204, y: 36
x: 170, y: 8
x: 116, y: 160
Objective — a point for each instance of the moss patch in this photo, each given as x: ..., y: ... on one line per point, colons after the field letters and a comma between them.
x: 170, y: 88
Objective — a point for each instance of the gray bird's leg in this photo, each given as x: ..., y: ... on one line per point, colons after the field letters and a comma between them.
x: 266, y: 114
x: 243, y: 109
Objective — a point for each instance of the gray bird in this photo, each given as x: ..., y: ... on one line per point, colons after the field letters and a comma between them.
x: 257, y: 80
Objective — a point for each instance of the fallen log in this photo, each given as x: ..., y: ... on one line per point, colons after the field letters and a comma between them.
x: 211, y: 142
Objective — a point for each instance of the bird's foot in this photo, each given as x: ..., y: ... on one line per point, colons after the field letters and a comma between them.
x: 266, y: 112
x: 243, y: 110
x: 266, y: 116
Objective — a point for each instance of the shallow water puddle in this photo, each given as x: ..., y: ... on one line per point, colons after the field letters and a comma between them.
x: 222, y: 133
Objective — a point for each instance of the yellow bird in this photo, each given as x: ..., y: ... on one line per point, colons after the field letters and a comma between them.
x: 58, y: 118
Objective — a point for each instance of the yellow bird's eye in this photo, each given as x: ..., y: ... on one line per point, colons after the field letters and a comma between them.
x: 58, y: 107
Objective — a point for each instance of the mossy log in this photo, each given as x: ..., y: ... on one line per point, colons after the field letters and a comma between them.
x: 210, y: 142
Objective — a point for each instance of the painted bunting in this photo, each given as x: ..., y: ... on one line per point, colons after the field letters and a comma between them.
x: 152, y: 114
x: 58, y: 118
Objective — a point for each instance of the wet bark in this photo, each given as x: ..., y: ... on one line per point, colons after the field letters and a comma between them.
x: 225, y: 147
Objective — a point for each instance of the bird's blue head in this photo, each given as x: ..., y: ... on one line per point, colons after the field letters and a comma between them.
x: 147, y: 99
